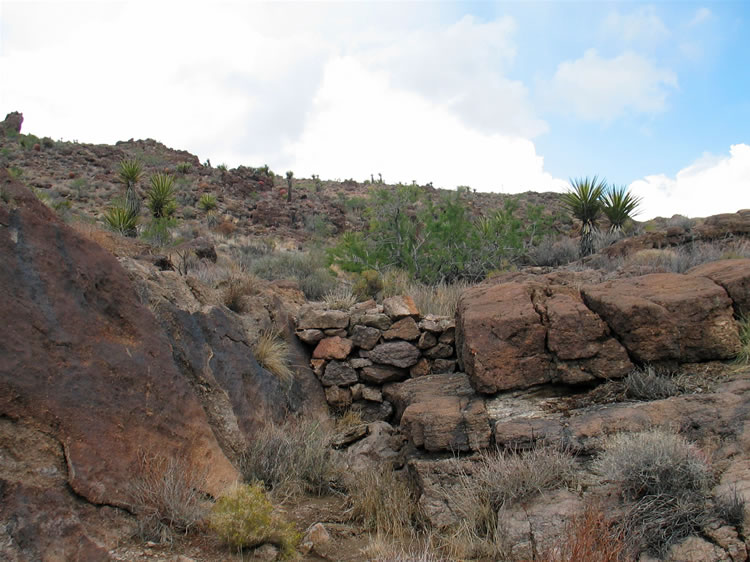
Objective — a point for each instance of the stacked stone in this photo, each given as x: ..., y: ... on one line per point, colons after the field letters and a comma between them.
x: 358, y: 351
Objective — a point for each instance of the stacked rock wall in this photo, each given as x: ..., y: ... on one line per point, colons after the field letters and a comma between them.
x: 357, y: 351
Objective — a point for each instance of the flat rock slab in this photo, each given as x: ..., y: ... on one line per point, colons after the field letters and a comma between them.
x: 734, y: 276
x: 397, y: 353
x: 312, y: 317
x: 668, y: 317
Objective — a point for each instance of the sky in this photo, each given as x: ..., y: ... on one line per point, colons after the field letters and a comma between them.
x: 499, y: 96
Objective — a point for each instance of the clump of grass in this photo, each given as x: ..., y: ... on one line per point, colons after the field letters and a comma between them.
x: 244, y: 518
x: 589, y: 537
x: 166, y: 496
x: 648, y: 385
x: 383, y: 502
x: 440, y: 299
x: 340, y: 298
x: 496, y: 481
x: 743, y: 357
x: 731, y: 508
x: 292, y: 458
x: 664, y: 482
x: 238, y: 286
x: 272, y: 352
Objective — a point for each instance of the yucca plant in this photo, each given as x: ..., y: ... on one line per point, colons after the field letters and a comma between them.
x: 121, y: 220
x: 207, y: 202
x: 584, y: 201
x: 130, y: 173
x: 161, y: 199
x: 619, y: 205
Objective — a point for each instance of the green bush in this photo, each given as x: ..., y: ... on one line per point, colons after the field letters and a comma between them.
x: 159, y: 231
x: 161, y: 199
x: 307, y: 268
x: 207, y: 202
x: 120, y: 220
x: 184, y: 167
x: 244, y: 518
x: 368, y: 284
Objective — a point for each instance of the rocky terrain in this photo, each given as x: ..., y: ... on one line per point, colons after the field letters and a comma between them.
x: 124, y: 362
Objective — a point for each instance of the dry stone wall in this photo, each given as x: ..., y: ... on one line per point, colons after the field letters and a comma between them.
x: 356, y: 352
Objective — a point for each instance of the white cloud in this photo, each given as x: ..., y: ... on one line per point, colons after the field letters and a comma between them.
x: 642, y: 25
x: 362, y: 125
x: 596, y: 88
x: 711, y: 185
x: 701, y: 15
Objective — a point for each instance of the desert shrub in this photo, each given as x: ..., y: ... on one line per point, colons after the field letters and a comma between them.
x: 646, y: 384
x: 494, y: 482
x: 589, y: 537
x: 664, y: 482
x: 165, y: 494
x: 159, y: 231
x: 222, y: 167
x: 743, y: 357
x: 340, y: 298
x: 292, y: 458
x: 161, y: 198
x: 244, y: 518
x: 184, y: 167
x: 207, y: 202
x: 237, y: 286
x: 382, y: 501
x: 551, y: 252
x: 368, y: 284
x: 604, y: 239
x: 272, y: 352
x: 307, y: 268
x: 120, y: 220
x: 730, y: 508
x: 15, y: 172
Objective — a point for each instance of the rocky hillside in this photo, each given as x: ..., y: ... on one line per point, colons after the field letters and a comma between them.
x: 595, y: 411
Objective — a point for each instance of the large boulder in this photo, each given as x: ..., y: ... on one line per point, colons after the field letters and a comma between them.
x: 667, y: 317
x: 529, y: 332
x: 84, y: 360
x: 734, y: 276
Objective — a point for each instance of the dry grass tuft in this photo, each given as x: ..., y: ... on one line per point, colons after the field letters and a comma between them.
x: 272, y: 353
x: 589, y: 537
x: 238, y: 286
x: 743, y: 357
x: 340, y: 298
x: 292, y: 459
x: 649, y: 385
x: 440, y: 299
x: 383, y: 502
x: 166, y: 496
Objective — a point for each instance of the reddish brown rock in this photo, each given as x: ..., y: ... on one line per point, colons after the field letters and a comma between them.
x: 667, y: 317
x: 404, y: 329
x: 399, y: 307
x: 399, y: 354
x: 421, y: 369
x: 333, y: 348
x: 365, y: 337
x: 82, y: 358
x: 734, y: 276
x: 312, y: 317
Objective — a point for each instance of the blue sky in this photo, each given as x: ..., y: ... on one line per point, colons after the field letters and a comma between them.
x: 506, y: 96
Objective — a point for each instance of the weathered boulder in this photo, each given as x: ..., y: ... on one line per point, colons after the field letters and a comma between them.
x: 12, y: 124
x: 310, y: 336
x: 667, y: 317
x: 373, y: 411
x: 398, y: 353
x: 440, y: 413
x: 86, y: 361
x: 734, y: 276
x: 381, y: 445
x: 364, y: 337
x: 380, y: 374
x: 404, y: 329
x: 520, y: 334
x: 373, y: 320
x: 338, y: 373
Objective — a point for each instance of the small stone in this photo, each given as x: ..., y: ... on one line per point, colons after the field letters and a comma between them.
x: 399, y: 354
x: 404, y: 329
x: 448, y: 337
x: 440, y: 351
x: 318, y: 366
x: 311, y: 336
x: 359, y: 362
x: 333, y: 348
x: 363, y: 353
x: 357, y: 391
x: 379, y: 374
x: 332, y: 332
x: 365, y: 337
x: 312, y: 317
x: 338, y: 374
x: 421, y: 369
x: 372, y: 394
x: 430, y: 323
x: 376, y: 320
x: 427, y: 340
x: 364, y: 306
x: 315, y: 537
x: 338, y: 398
x: 440, y: 366
x: 399, y: 307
